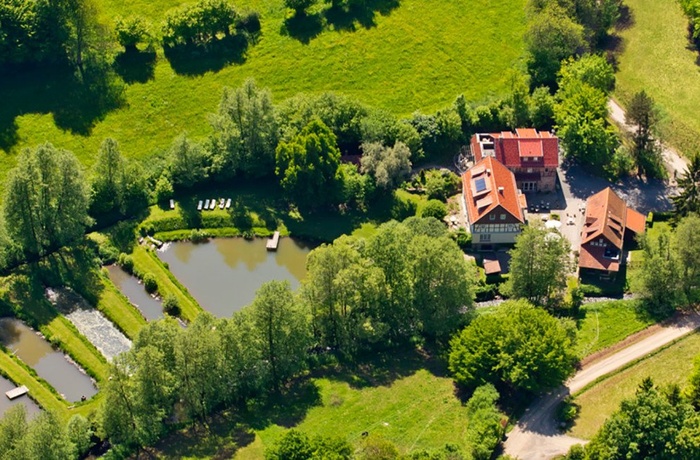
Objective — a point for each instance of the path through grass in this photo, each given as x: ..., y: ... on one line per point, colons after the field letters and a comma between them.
x: 657, y: 58
x: 671, y: 365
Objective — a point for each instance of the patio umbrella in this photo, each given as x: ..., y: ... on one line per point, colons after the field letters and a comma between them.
x: 553, y: 224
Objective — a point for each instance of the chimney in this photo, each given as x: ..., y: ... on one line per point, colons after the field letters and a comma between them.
x: 500, y: 190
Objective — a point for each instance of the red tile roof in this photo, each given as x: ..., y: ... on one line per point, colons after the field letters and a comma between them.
x: 497, y: 189
x: 491, y: 267
x: 510, y: 148
x: 636, y: 222
x: 593, y: 257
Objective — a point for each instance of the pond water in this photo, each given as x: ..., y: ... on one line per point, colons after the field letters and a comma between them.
x: 224, y: 274
x: 89, y: 322
x: 129, y: 285
x: 5, y: 403
x: 49, y: 364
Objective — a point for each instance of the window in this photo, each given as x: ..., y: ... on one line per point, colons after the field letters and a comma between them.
x: 492, y: 216
x: 526, y: 159
x: 529, y: 170
x: 485, y: 238
x: 503, y: 217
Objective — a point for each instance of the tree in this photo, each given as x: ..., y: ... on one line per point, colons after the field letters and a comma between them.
x: 659, y: 273
x: 130, y: 32
x: 87, y: 39
x: 187, y: 162
x: 518, y: 346
x: 80, y: 432
x: 299, y: 6
x: 552, y: 37
x: 647, y: 154
x: 281, y: 331
x: 13, y: 429
x: 688, y: 199
x: 686, y: 246
x: 296, y: 445
x: 198, y: 24
x: 590, y: 69
x: 485, y: 429
x: 542, y: 108
x: 434, y: 208
x: 245, y: 132
x: 539, y: 265
x: 442, y: 285
x: 652, y: 424
x: 389, y: 166
x: 46, y: 200
x: 307, y: 165
x: 692, y: 391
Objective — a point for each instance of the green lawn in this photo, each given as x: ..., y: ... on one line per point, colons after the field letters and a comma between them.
x: 606, y: 323
x: 419, y: 55
x: 405, y: 403
x: 117, y: 308
x: 656, y: 58
x: 671, y: 365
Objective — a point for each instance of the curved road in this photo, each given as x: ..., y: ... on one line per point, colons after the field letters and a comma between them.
x: 536, y: 436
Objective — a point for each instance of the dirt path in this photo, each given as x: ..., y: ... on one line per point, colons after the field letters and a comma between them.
x: 536, y: 436
x: 675, y: 164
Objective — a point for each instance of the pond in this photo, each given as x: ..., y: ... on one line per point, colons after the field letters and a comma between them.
x: 129, y: 285
x: 49, y: 364
x: 31, y: 407
x: 224, y: 274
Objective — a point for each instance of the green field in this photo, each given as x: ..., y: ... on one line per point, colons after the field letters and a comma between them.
x: 410, y: 406
x: 419, y: 55
x: 657, y: 58
x: 606, y: 323
x: 671, y: 365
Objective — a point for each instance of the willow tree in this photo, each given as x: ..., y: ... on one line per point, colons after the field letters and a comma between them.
x: 46, y: 200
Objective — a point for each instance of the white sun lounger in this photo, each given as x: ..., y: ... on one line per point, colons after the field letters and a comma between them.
x: 228, y: 203
x: 221, y: 203
x: 199, y: 205
x: 172, y: 204
x: 212, y: 203
x: 206, y: 205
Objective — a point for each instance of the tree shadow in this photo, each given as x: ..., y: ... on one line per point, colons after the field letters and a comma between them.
x: 136, y: 67
x: 626, y: 19
x: 364, y: 14
x: 303, y: 27
x: 188, y: 211
x: 192, y: 60
x: 76, y: 102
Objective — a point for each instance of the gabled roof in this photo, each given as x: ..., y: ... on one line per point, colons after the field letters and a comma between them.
x: 606, y: 215
x: 488, y: 185
x: 510, y: 148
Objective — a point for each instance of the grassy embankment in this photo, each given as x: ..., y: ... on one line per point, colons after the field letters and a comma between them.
x: 657, y: 57
x: 670, y: 365
x: 398, y: 399
x: 417, y: 56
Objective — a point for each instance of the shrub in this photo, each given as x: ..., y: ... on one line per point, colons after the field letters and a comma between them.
x: 126, y: 262
x: 463, y: 239
x: 568, y: 410
x: 441, y: 184
x: 164, y: 189
x: 108, y: 253
x: 150, y: 283
x: 434, y: 208
x: 130, y: 32
x: 171, y: 305
x: 198, y: 236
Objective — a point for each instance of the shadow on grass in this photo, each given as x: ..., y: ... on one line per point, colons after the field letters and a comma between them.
x: 76, y: 103
x: 303, y: 27
x: 136, y: 67
x: 194, y: 60
x: 364, y: 14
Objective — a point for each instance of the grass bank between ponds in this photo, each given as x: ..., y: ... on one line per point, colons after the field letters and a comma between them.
x: 604, y: 324
x: 117, y: 308
x: 39, y: 390
x: 145, y: 261
x: 669, y: 365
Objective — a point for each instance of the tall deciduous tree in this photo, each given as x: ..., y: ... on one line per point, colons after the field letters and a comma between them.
x: 641, y: 113
x: 307, y: 165
x: 389, y: 166
x: 687, y: 249
x: 539, y: 265
x: 187, y: 162
x: 591, y: 69
x: 245, y: 132
x: 46, y: 200
x: 520, y: 346
x: 688, y: 199
x: 281, y: 331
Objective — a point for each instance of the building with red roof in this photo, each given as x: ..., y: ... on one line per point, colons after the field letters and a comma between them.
x: 608, y: 224
x: 495, y: 206
x: 531, y: 155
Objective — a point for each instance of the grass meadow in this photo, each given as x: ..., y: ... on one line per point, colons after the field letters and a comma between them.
x: 657, y: 57
x: 670, y: 365
x: 402, y: 56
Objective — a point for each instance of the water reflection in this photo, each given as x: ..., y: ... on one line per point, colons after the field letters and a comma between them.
x: 135, y: 292
x: 224, y: 274
x: 49, y: 364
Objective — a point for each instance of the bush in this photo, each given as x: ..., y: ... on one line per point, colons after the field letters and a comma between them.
x: 108, y: 253
x: 164, y: 189
x: 199, y: 23
x: 463, y: 239
x: 130, y: 32
x: 198, y: 236
x: 126, y: 262
x: 442, y: 184
x: 150, y: 283
x: 171, y: 305
x: 434, y: 208
x: 568, y: 410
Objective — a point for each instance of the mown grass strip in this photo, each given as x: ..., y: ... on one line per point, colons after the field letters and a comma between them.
x: 117, y: 308
x: 39, y: 390
x: 147, y: 262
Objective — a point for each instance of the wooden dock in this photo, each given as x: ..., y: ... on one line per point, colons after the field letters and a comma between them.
x: 17, y: 392
x: 273, y: 242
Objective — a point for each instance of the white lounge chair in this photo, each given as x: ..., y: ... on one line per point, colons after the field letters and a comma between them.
x: 228, y: 203
x: 212, y: 203
x: 172, y: 204
x: 199, y: 205
x: 221, y: 203
x: 206, y: 205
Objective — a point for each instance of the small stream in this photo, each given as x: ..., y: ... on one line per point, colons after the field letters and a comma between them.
x: 51, y: 365
x: 150, y: 308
